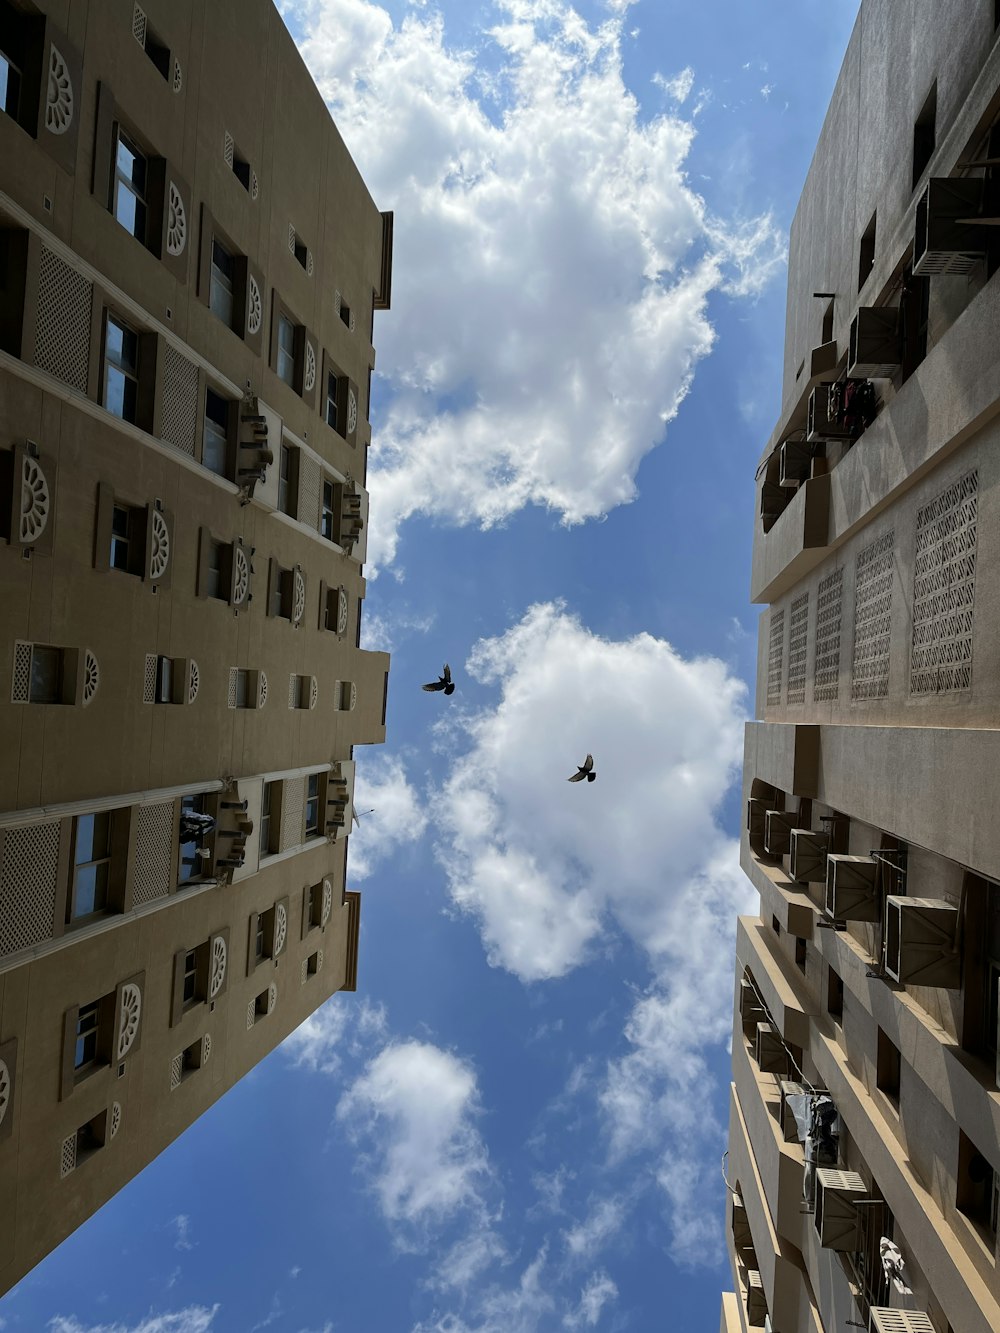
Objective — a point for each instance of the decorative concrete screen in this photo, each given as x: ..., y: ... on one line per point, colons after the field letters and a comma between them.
x: 798, y: 633
x: 872, y: 620
x: 292, y: 811
x: 62, y: 332
x: 153, y: 850
x: 180, y: 400
x: 775, y: 654
x: 826, y: 668
x: 28, y: 885
x: 944, y: 585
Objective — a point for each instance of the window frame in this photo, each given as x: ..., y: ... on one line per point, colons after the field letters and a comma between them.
x: 219, y: 432
x: 129, y: 371
x: 221, y: 283
x: 314, y: 830
x: 120, y: 181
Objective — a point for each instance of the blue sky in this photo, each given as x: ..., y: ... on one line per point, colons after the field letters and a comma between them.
x: 515, y: 1125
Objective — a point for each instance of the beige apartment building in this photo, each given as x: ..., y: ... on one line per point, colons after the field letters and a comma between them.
x: 864, y: 1136
x: 189, y: 266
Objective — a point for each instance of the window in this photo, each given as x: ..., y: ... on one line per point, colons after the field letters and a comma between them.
x: 924, y: 131
x: 262, y: 1004
x: 241, y: 169
x: 10, y: 79
x: 775, y: 924
x: 312, y: 964
x: 288, y: 481
x: 129, y: 203
x: 90, y: 889
x: 301, y: 252
x: 222, y: 283
x: 328, y: 517
x: 345, y: 313
x: 90, y: 1138
x: 268, y: 934
x: 121, y: 369
x: 195, y: 837
x: 978, y: 1192
x: 312, y: 812
x: 332, y: 398
x: 286, y: 592
x: 866, y: 252
x: 300, y: 691
x: 312, y: 908
x: 215, y: 584
x: 215, y: 440
x: 888, y: 1067
x: 87, y: 1030
x: 46, y: 685
x: 269, y: 818
x: 188, y: 989
x: 158, y: 51
x: 259, y: 933
x: 243, y: 688
x: 127, y: 550
x: 828, y: 323
x: 801, y: 948
x: 200, y: 974
x: 834, y: 995
x: 285, y: 364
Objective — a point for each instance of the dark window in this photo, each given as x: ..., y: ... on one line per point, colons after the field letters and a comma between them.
x: 266, y: 810
x: 91, y: 865
x: 87, y: 1028
x: 129, y: 202
x: 10, y: 79
x: 345, y: 313
x: 301, y: 252
x: 312, y: 805
x: 222, y: 283
x: 216, y: 559
x: 312, y: 964
x: 801, y: 948
x: 128, y: 539
x: 197, y: 825
x: 46, y: 675
x: 190, y: 976
x: 285, y: 365
x: 120, y: 537
x: 834, y: 995
x: 331, y: 401
x: 158, y: 51
x: 866, y: 252
x: 164, y: 680
x: 775, y: 924
x: 215, y: 442
x: 326, y: 525
x: 242, y: 688
x: 258, y: 937
x: 828, y: 324
x: 121, y: 369
x: 887, y: 1067
x: 924, y: 132
x: 978, y: 1193
x: 241, y: 169
x: 287, y: 481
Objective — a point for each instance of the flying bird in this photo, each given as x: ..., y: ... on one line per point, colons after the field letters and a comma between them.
x: 443, y: 682
x: 586, y: 770
x: 892, y: 1266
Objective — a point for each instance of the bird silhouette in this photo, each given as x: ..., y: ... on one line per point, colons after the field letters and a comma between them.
x: 892, y: 1265
x: 443, y: 682
x: 586, y: 770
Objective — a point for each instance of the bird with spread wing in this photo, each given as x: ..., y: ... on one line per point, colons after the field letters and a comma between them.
x: 586, y: 770
x: 443, y: 682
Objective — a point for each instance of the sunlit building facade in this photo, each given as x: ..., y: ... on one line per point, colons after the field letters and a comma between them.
x: 864, y: 1139
x: 189, y: 268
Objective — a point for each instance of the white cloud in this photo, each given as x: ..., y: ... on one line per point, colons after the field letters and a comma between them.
x: 193, y: 1319
x: 397, y: 812
x: 552, y: 262
x: 590, y: 1236
x: 414, y: 1109
x: 679, y: 86
x: 501, y: 1309
x: 337, y: 1026
x: 182, y: 1224
x: 542, y: 864
x: 383, y: 632
x: 593, y: 1298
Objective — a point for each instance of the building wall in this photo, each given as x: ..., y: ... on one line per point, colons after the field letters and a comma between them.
x: 246, y: 572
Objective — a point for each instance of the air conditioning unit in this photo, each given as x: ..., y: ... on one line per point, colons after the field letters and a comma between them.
x: 884, y: 1320
x: 850, y: 887
x: 794, y: 462
x: 948, y: 236
x: 756, y: 1300
x: 836, y: 1219
x: 752, y: 1011
x: 876, y: 343
x: 773, y: 499
x: 778, y: 825
x: 920, y: 942
x: 823, y: 359
x: 819, y: 424
x: 769, y: 1050
x: 788, y: 1124
x: 757, y: 808
x: 807, y: 855
x: 742, y: 1239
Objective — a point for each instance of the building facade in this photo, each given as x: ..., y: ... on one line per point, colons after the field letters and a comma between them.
x: 864, y: 1138
x: 189, y: 268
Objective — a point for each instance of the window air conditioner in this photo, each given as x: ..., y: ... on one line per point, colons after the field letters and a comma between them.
x: 876, y: 343
x: 836, y: 1219
x: 920, y: 942
x: 794, y: 462
x: 778, y: 825
x: 752, y: 1011
x: 742, y: 1239
x: 807, y: 855
x: 850, y: 887
x: 949, y: 237
x: 757, y: 808
x: 819, y: 424
x: 769, y: 1051
x: 773, y: 499
x: 823, y: 359
x: 884, y: 1320
x: 789, y: 1126
x: 756, y: 1300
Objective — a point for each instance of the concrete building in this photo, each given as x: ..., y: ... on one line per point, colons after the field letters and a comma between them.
x: 865, y: 1106
x: 189, y: 266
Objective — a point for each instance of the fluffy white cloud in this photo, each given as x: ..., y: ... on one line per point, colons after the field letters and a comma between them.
x: 541, y: 864
x: 591, y: 1235
x: 193, y: 1319
x: 398, y: 817
x: 595, y: 1296
x: 414, y: 1109
x: 552, y: 261
x: 337, y: 1026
